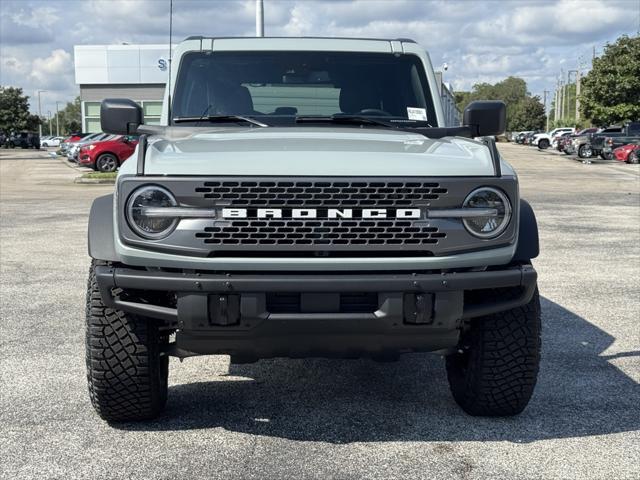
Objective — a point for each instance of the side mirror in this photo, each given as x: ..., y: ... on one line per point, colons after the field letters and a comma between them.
x: 120, y: 116
x: 486, y: 117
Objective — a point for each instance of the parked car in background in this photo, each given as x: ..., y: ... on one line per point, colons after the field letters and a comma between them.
x: 23, y: 140
x: 50, y: 141
x: 107, y: 155
x: 543, y: 140
x: 630, y: 134
x: 568, y: 140
x: 72, y: 138
x: 558, y: 144
x: 528, y: 139
x: 582, y: 145
x: 513, y: 136
x: 597, y: 139
x: 628, y: 153
x: 556, y: 137
x: 520, y: 137
x: 74, y: 148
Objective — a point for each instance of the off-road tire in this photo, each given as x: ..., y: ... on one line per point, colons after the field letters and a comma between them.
x: 107, y: 163
x: 633, y: 157
x: 543, y: 144
x: 585, y: 151
x: 126, y: 372
x: 496, y: 372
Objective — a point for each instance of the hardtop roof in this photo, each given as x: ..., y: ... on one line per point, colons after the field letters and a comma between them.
x: 203, y: 37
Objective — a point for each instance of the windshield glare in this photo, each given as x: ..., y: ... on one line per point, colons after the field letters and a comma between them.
x: 277, y: 85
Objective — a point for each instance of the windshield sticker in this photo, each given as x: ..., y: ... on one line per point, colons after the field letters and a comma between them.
x: 415, y: 113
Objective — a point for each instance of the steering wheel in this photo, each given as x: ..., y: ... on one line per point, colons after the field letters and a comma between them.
x: 374, y: 112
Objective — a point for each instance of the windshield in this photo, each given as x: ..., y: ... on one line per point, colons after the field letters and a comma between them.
x: 276, y: 86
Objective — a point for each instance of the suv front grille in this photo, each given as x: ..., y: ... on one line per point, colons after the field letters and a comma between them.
x: 303, y: 232
x: 316, y: 233
x: 317, y: 194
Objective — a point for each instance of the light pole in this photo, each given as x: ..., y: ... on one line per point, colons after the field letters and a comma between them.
x: 546, y: 114
x: 561, y: 105
x: 259, y: 18
x: 569, y: 83
x: 49, y: 112
x: 57, y: 120
x: 40, y: 113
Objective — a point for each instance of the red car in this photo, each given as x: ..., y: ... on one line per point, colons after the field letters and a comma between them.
x: 627, y: 153
x: 108, y: 155
x: 74, y: 137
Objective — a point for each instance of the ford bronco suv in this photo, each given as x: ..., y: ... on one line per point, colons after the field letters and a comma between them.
x: 303, y: 197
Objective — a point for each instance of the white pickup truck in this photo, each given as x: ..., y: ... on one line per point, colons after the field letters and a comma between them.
x: 545, y: 140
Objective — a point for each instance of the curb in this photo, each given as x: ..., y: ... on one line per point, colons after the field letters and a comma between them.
x: 95, y: 181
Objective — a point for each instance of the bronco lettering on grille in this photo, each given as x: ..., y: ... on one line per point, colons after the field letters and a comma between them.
x: 321, y: 213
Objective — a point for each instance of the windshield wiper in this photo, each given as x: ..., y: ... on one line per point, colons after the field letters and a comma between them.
x: 343, y: 119
x: 220, y: 119
x: 398, y: 123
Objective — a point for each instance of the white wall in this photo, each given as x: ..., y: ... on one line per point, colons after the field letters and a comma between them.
x: 120, y: 64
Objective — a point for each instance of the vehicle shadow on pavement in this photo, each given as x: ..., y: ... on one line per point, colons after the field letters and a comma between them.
x: 579, y: 393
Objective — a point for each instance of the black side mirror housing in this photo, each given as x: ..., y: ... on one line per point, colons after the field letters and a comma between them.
x: 120, y: 116
x: 486, y: 117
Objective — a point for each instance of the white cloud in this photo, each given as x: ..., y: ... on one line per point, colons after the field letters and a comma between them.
x: 480, y: 40
x: 53, y: 72
x: 41, y: 17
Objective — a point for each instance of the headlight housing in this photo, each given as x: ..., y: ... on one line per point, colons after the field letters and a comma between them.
x: 149, y: 226
x: 489, y: 226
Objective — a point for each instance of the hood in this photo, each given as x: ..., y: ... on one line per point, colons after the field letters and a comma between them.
x: 315, y: 151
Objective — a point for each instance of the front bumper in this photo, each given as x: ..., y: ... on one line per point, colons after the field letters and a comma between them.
x: 86, y: 160
x: 234, y: 314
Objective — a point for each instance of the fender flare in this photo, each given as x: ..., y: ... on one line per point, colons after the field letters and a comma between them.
x: 100, y: 230
x: 528, y: 241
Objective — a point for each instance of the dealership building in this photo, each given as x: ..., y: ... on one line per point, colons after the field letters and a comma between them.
x: 139, y: 72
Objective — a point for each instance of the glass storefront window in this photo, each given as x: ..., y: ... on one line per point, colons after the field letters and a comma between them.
x: 152, y: 109
x: 92, y: 125
x: 92, y: 109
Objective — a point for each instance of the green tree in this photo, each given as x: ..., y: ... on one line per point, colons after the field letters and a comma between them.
x: 528, y: 114
x: 69, y: 118
x: 14, y: 111
x: 610, y: 92
x: 512, y: 91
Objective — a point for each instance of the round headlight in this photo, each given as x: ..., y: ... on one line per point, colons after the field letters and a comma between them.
x: 488, y: 226
x: 145, y: 224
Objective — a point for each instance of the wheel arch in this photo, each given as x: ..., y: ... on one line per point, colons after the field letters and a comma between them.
x: 528, y: 239
x: 107, y: 152
x: 100, y: 230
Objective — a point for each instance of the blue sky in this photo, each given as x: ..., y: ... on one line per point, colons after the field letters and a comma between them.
x: 479, y: 40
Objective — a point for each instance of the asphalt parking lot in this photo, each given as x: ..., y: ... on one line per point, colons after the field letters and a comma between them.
x: 327, y: 418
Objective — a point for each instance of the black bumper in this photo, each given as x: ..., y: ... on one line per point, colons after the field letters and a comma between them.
x: 231, y: 314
